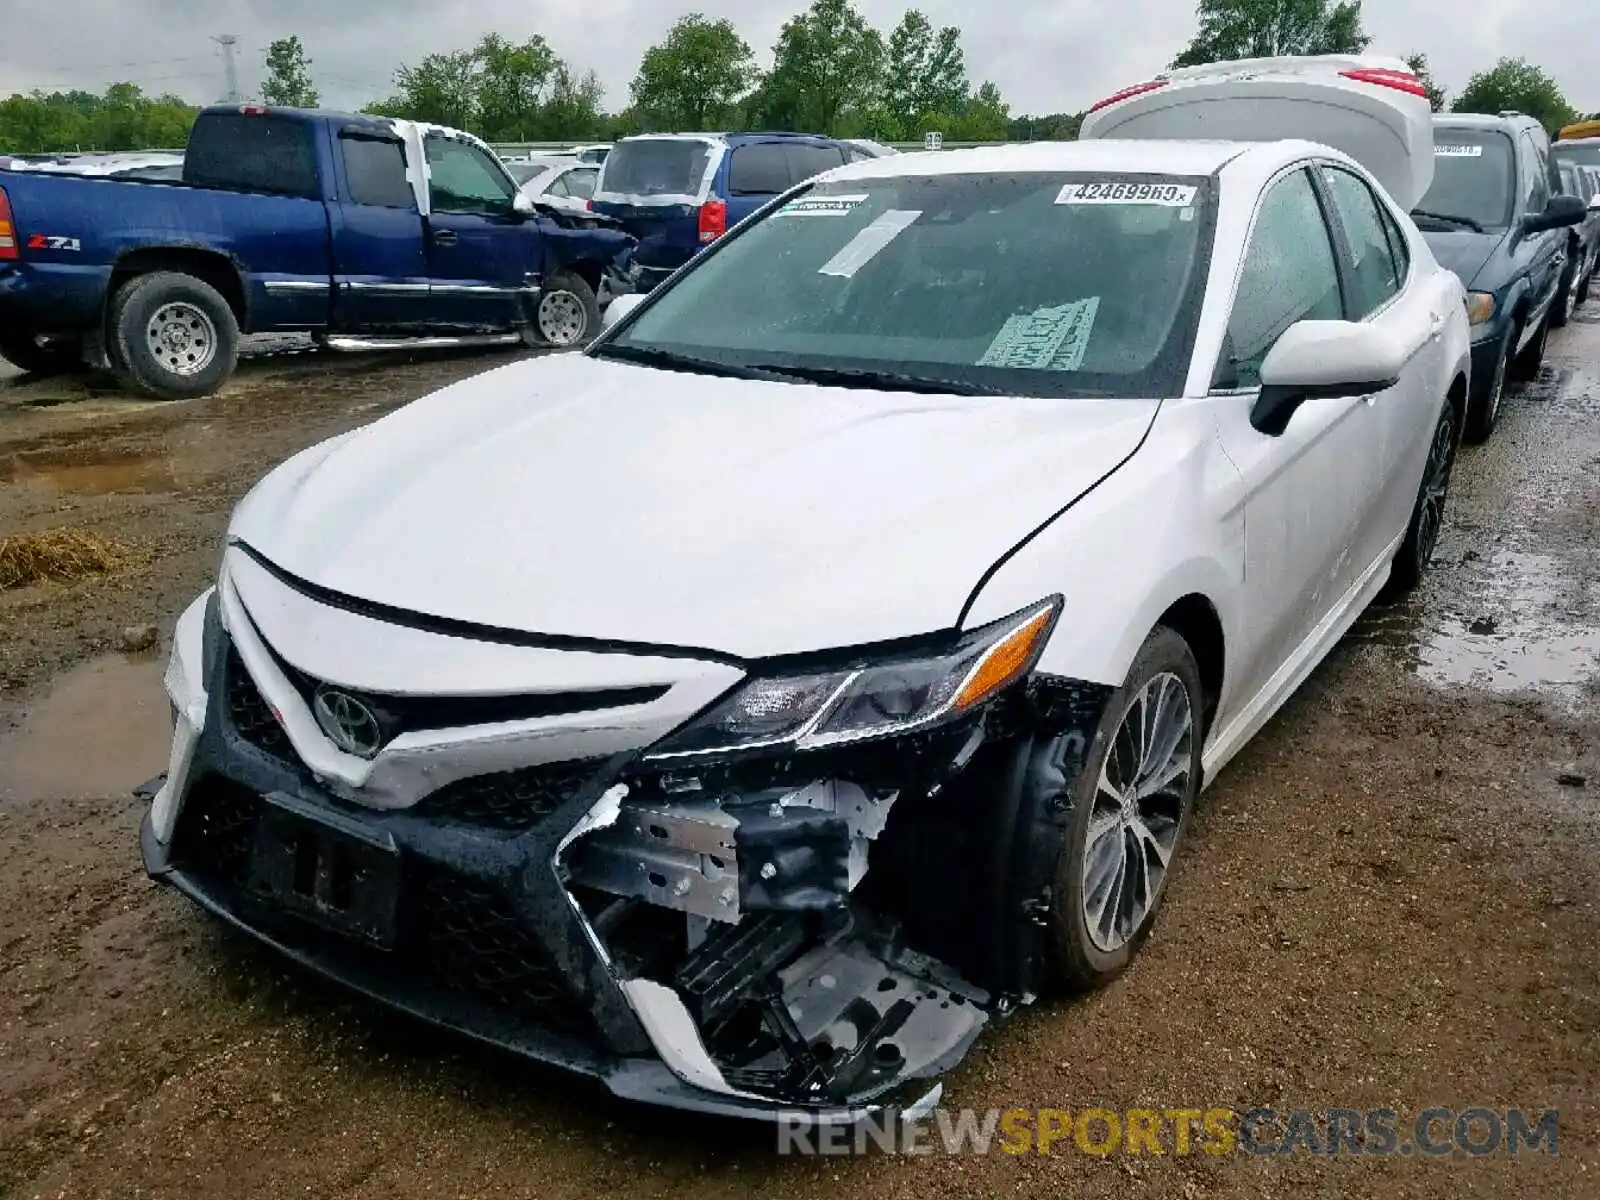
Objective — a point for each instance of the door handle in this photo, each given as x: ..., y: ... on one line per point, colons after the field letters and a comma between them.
x: 445, y: 237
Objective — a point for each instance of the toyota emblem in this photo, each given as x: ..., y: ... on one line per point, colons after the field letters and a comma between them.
x: 349, y: 722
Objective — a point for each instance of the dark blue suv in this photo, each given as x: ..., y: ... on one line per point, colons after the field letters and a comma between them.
x: 677, y: 192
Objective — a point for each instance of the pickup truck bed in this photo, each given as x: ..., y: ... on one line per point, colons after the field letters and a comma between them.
x: 289, y: 220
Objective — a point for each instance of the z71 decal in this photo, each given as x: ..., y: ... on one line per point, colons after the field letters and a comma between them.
x: 48, y: 241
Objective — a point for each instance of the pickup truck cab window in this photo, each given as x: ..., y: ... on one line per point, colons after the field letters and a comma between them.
x: 1373, y: 270
x: 252, y: 153
x: 375, y: 172
x: 1288, y: 275
x: 464, y: 179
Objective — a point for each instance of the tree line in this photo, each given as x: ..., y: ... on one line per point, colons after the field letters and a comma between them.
x: 832, y: 72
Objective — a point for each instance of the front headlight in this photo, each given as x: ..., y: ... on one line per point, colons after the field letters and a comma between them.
x: 1480, y: 308
x: 869, y: 699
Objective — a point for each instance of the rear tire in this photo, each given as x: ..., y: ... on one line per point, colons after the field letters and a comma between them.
x: 40, y: 356
x: 1483, y: 404
x: 1149, y: 738
x: 173, y: 337
x: 566, y: 314
x: 1427, y: 515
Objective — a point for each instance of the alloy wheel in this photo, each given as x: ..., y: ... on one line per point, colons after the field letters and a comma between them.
x: 1137, y: 812
x: 1435, y: 486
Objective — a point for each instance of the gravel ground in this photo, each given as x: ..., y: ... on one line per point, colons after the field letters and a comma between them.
x: 1389, y: 900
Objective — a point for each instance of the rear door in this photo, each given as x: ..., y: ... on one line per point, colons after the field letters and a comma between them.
x: 1381, y: 287
x: 380, y: 265
x: 483, y: 256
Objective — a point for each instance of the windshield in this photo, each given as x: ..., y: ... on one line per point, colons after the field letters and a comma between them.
x: 656, y: 167
x: 1584, y: 154
x: 1026, y: 284
x: 1474, y: 177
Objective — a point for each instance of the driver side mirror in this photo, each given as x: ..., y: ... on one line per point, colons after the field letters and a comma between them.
x: 522, y: 204
x: 620, y: 307
x: 1562, y: 211
x: 1316, y: 360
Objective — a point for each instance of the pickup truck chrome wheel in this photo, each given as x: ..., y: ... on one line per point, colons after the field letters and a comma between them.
x: 182, y: 338
x: 562, y: 318
x: 1137, y: 811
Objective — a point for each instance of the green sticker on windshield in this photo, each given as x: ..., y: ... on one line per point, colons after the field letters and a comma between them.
x: 820, y: 206
x: 1047, y: 339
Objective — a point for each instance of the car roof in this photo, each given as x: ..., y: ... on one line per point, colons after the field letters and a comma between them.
x: 1501, y: 121
x: 1139, y: 157
x: 730, y: 138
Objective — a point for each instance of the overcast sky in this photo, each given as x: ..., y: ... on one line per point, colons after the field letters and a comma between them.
x: 1046, y: 55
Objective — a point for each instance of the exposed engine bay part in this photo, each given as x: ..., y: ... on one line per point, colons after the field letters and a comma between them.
x: 837, y: 929
x: 777, y: 849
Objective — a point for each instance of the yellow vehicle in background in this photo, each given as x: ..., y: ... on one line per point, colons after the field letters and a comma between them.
x: 1583, y: 129
x: 1578, y: 144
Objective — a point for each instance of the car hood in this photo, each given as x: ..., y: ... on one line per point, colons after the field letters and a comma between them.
x: 577, y: 497
x: 1464, y: 252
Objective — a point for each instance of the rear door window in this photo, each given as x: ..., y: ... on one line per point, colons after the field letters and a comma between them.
x: 760, y: 169
x: 806, y: 160
x: 580, y: 182
x: 375, y: 172
x: 252, y: 153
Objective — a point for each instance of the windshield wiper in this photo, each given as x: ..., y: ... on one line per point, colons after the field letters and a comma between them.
x: 671, y: 360
x: 1448, y: 219
x: 889, y: 381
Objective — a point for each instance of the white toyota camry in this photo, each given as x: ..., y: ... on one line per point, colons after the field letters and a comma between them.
x: 749, y: 711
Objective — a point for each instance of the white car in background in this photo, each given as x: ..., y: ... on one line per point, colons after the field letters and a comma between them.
x: 564, y: 184
x: 749, y: 711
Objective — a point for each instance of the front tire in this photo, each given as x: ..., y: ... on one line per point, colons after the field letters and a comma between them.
x: 1526, y: 365
x: 1129, y: 812
x: 1427, y: 515
x: 1483, y: 405
x: 566, y: 314
x: 37, y: 355
x: 173, y: 337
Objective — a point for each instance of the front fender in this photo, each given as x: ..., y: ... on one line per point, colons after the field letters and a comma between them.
x: 1166, y: 525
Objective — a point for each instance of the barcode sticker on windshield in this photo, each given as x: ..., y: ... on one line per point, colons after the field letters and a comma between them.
x: 820, y: 206
x: 861, y: 249
x: 1458, y: 151
x: 1168, y: 195
x: 1047, y: 339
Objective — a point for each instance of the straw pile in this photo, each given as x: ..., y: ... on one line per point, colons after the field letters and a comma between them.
x: 61, y: 555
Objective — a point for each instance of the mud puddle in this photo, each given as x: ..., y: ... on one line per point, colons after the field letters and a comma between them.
x: 1528, y: 626
x: 89, y: 471
x: 101, y: 730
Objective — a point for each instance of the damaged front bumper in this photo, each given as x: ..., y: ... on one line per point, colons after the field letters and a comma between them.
x: 705, y: 939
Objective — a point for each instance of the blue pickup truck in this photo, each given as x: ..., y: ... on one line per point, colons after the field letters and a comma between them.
x: 290, y: 220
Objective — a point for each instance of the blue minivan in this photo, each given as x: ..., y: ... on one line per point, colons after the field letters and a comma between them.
x: 677, y: 192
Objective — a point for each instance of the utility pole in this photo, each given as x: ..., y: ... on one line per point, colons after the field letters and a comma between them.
x: 230, y: 69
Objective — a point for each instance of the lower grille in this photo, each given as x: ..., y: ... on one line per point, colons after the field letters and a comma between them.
x: 474, y: 944
x: 216, y: 830
x: 508, y: 801
x: 251, y: 715
x: 456, y: 932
